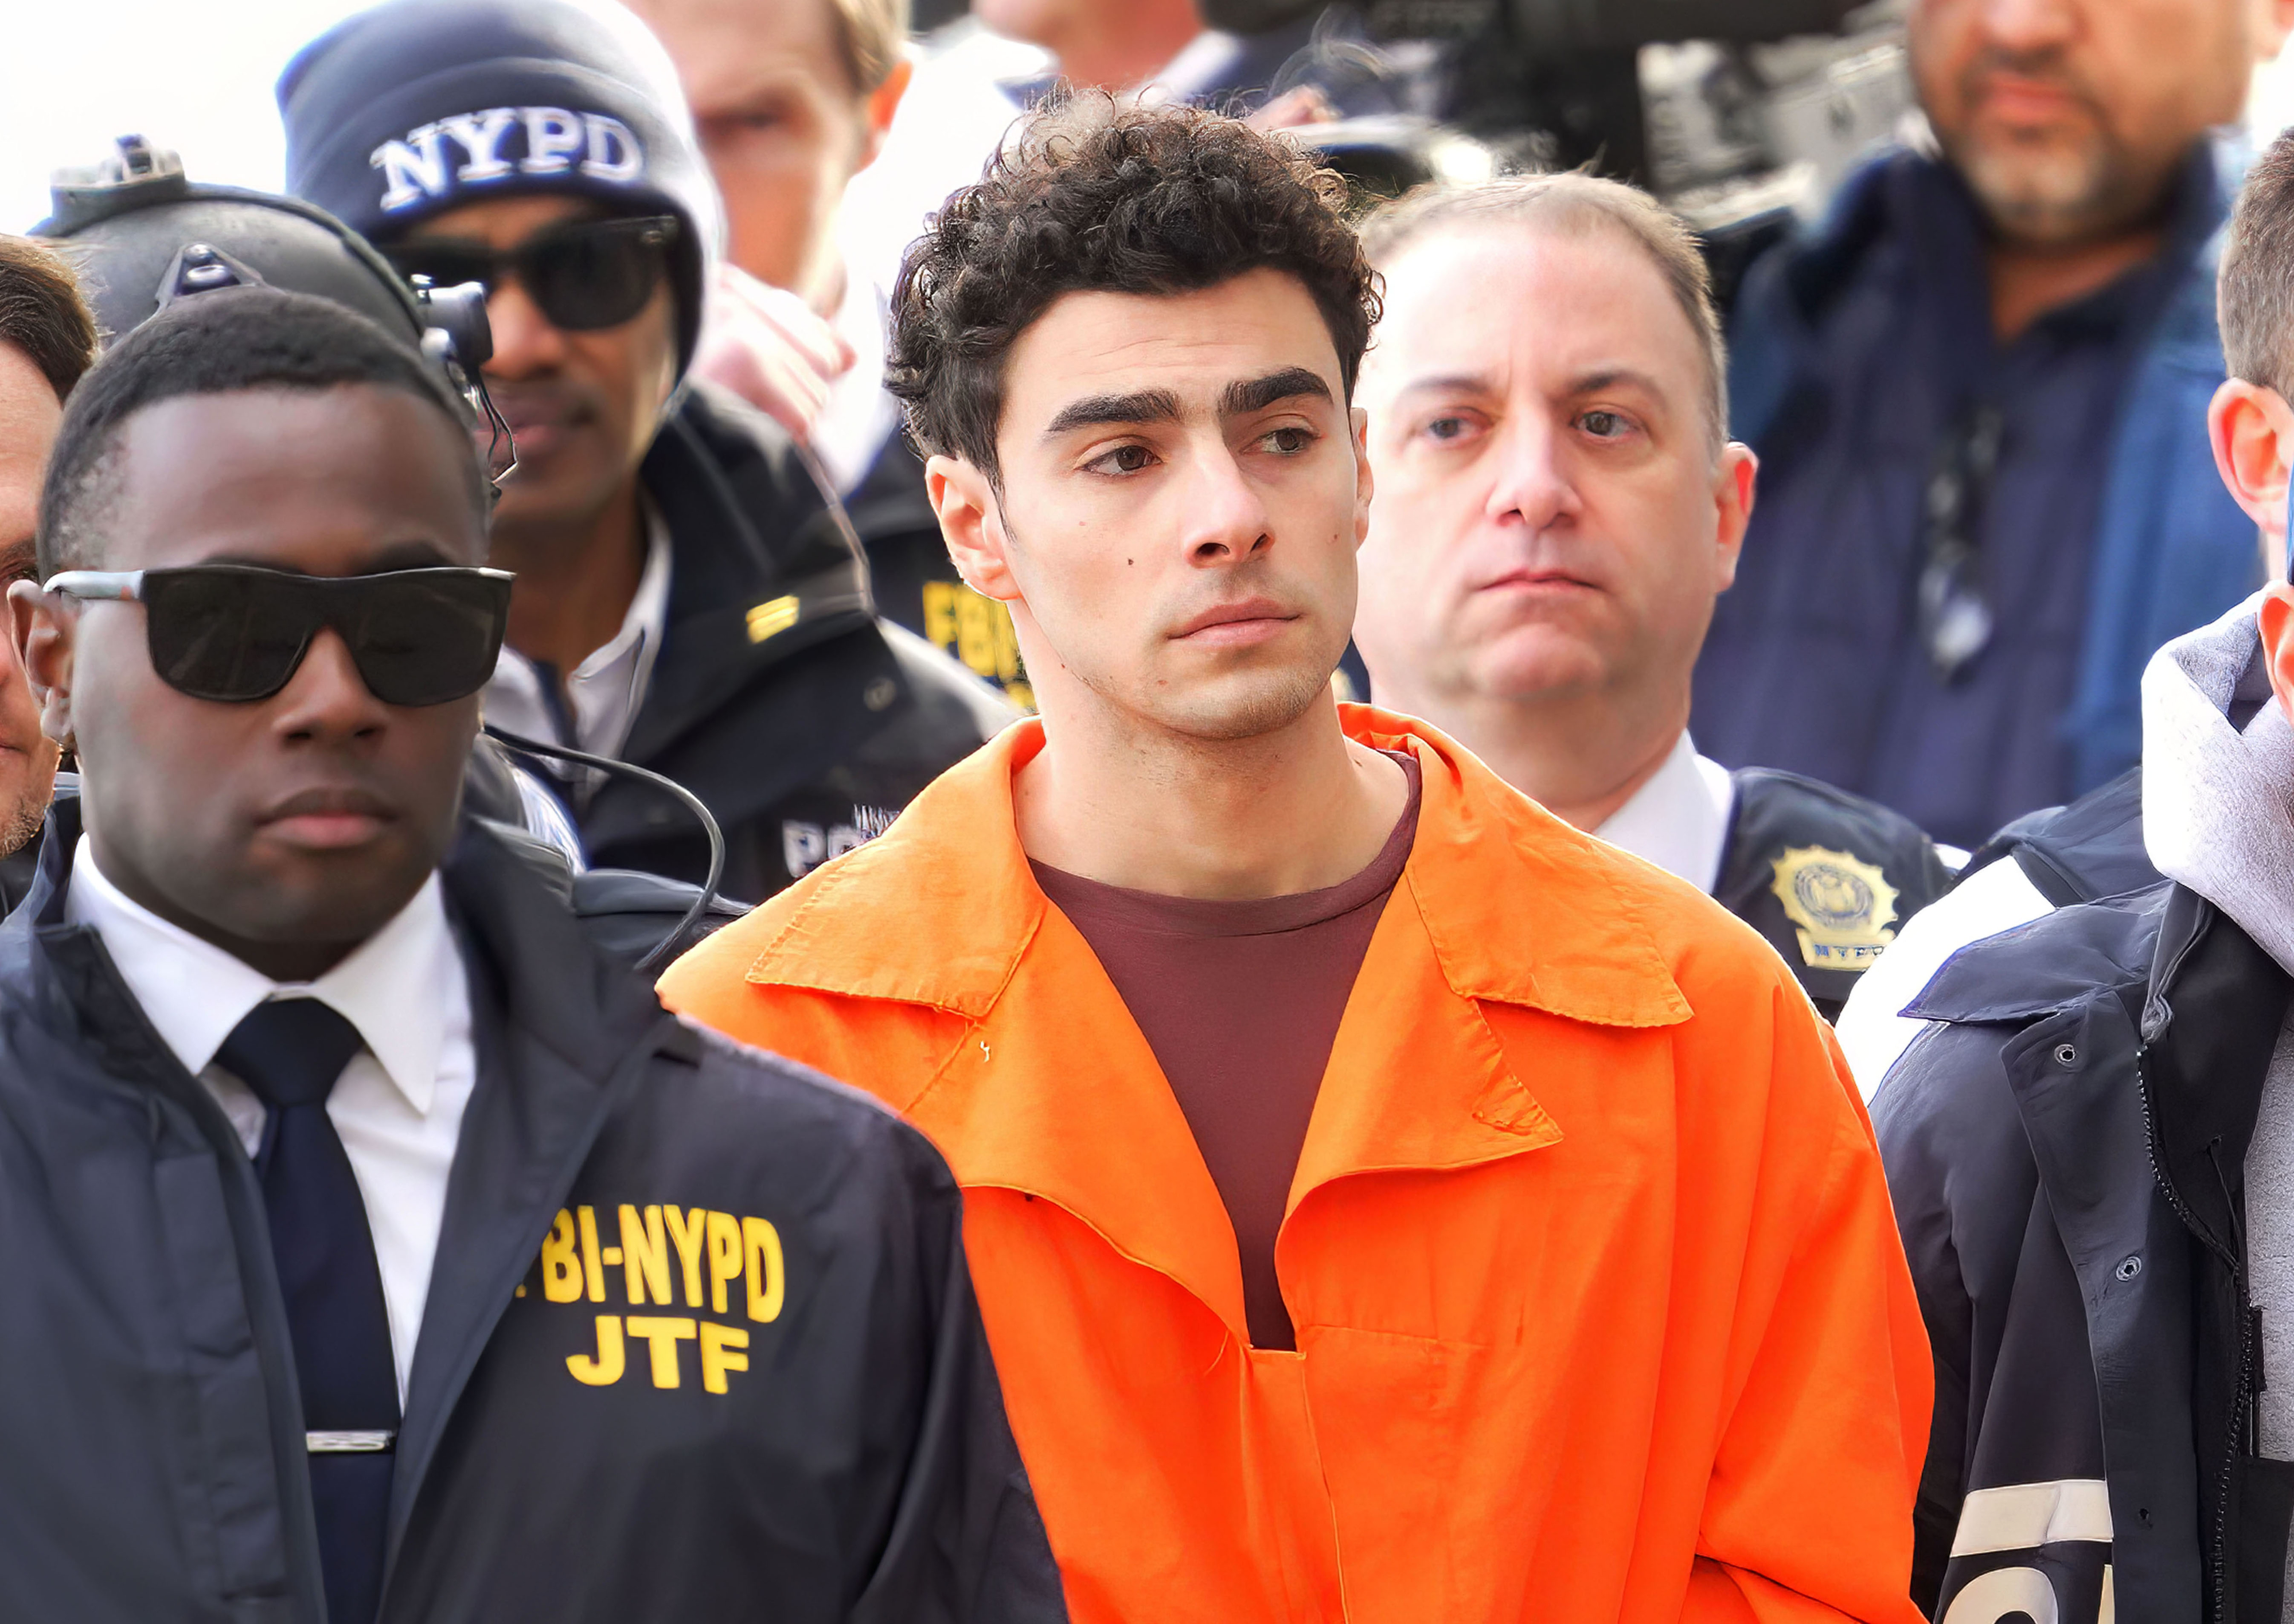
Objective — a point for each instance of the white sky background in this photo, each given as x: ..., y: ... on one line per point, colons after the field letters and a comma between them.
x: 199, y: 77
x: 192, y: 76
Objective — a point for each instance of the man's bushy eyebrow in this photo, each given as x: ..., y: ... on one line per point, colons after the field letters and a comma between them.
x: 1162, y: 406
x: 1258, y: 394
x: 1143, y: 406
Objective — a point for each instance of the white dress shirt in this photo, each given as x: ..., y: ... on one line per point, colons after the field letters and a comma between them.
x: 604, y: 691
x: 1679, y: 820
x: 398, y: 1105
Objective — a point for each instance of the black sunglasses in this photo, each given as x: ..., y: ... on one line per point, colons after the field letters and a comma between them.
x: 584, y: 275
x: 237, y: 633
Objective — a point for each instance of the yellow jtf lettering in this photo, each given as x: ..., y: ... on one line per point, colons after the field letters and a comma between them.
x: 645, y: 1255
x: 720, y: 1346
x: 561, y: 1268
x: 724, y: 1257
x: 606, y: 1368
x: 760, y: 1243
x: 594, y: 1274
x: 661, y: 1338
x: 686, y: 1230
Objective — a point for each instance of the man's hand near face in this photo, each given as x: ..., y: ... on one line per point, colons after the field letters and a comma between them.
x: 766, y: 345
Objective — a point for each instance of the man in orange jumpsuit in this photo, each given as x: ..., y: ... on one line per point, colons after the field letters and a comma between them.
x: 1388, y: 1203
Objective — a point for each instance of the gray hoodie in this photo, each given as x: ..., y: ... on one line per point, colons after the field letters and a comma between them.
x: 2218, y: 816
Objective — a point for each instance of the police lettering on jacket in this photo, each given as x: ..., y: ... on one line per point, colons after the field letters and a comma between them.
x: 730, y: 1269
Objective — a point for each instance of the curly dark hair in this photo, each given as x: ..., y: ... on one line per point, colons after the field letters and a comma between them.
x: 1097, y: 196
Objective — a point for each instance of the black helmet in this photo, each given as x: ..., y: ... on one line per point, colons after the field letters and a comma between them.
x: 142, y: 235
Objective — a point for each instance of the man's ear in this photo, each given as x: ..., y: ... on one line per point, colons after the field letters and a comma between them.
x: 2278, y: 643
x: 1365, y: 486
x: 884, y: 100
x: 1734, y: 481
x: 972, y: 523
x: 2252, y: 429
x: 44, y: 626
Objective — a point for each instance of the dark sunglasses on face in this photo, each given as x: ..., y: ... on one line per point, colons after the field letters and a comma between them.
x: 237, y: 633
x: 584, y: 275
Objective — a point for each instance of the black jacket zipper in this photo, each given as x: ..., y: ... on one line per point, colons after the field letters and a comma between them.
x: 2242, y: 1395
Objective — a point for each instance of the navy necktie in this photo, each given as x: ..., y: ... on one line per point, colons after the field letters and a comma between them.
x: 290, y: 1051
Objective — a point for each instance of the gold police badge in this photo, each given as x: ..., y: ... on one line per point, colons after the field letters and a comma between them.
x: 1840, y: 906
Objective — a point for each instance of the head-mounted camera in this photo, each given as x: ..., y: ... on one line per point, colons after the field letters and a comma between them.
x: 145, y: 236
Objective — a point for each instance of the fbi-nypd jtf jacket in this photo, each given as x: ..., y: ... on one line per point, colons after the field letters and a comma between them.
x: 700, y: 1344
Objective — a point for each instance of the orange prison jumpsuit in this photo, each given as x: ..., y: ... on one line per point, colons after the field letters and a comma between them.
x: 1601, y: 1313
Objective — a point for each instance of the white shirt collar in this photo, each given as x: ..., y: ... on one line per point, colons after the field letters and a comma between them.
x: 647, y: 615
x: 606, y: 690
x: 1679, y: 820
x: 394, y: 988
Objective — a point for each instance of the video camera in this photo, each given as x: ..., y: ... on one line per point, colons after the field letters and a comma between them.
x: 1738, y: 113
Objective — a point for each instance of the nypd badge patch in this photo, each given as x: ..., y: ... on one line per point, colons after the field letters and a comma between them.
x: 1840, y: 906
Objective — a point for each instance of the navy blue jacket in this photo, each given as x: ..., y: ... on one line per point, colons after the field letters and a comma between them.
x: 1788, y: 675
x: 2066, y: 1150
x: 789, y: 1414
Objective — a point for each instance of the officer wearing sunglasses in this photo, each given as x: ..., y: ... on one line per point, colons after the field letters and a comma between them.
x: 378, y: 1247
x: 686, y: 600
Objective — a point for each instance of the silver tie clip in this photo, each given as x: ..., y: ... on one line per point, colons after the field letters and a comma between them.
x: 348, y: 1443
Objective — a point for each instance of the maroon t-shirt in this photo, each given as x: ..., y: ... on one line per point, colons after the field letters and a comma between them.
x: 1240, y: 1003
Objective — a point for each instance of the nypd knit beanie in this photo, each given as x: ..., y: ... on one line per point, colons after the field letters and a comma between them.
x: 419, y: 106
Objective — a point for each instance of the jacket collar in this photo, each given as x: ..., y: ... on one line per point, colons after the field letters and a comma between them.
x: 1519, y: 907
x: 2210, y: 1005
x: 1052, y: 1091
x: 759, y: 570
x: 2058, y: 961
x: 2210, y: 1022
